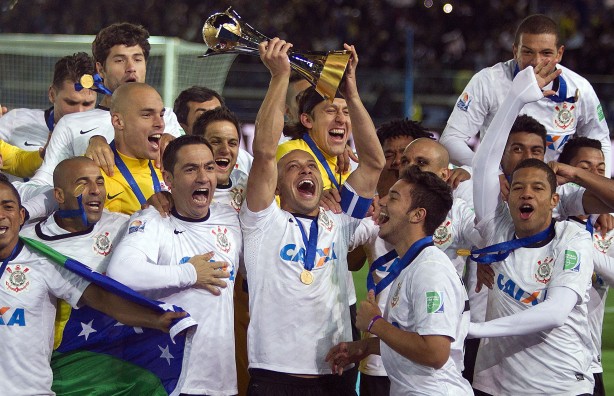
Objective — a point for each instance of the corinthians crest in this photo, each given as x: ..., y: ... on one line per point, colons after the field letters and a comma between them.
x: 602, y: 244
x: 221, y: 239
x: 18, y: 278
x: 564, y: 115
x: 442, y: 236
x: 395, y: 298
x: 102, y: 244
x: 325, y: 221
x: 544, y: 270
x: 237, y: 195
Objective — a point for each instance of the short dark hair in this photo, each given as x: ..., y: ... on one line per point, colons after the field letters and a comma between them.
x: 193, y: 94
x: 429, y: 192
x: 571, y: 148
x: 402, y: 127
x: 4, y: 181
x: 539, y: 164
x: 71, y: 68
x: 169, y: 158
x: 307, y: 100
x: 121, y: 33
x: 537, y: 24
x: 528, y: 124
x: 210, y: 116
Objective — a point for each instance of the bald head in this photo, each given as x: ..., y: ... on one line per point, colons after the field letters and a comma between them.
x: 67, y: 170
x: 429, y: 155
x: 125, y: 94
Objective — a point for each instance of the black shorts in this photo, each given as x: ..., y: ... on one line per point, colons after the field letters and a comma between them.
x: 271, y: 383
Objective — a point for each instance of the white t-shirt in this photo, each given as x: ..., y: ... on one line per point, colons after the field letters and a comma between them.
x: 92, y: 247
x: 508, y: 365
x: 293, y: 325
x: 29, y: 288
x: 24, y: 128
x: 71, y: 137
x: 152, y: 259
x: 487, y: 89
x: 428, y: 298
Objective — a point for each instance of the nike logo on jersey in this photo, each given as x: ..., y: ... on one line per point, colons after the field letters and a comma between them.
x: 26, y: 143
x: 178, y: 232
x: 109, y: 196
x: 82, y: 132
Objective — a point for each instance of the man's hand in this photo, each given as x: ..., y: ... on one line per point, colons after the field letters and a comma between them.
x: 348, y: 86
x: 166, y: 320
x: 545, y: 74
x: 505, y: 187
x: 330, y: 200
x: 485, y: 276
x: 274, y: 55
x: 162, y: 201
x: 343, y: 160
x: 209, y: 275
x: 345, y: 353
x: 165, y: 139
x: 3, y: 110
x: 367, y: 311
x: 100, y: 151
x: 604, y: 224
x: 457, y: 176
x: 564, y: 173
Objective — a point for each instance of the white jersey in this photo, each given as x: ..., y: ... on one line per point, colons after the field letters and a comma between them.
x: 457, y: 233
x: 481, y: 99
x: 428, y: 298
x: 293, y: 325
x: 29, y: 288
x: 244, y: 161
x: 26, y: 129
x: 520, y: 364
x: 148, y: 259
x: 598, y: 293
x: 71, y: 138
x: 92, y: 247
x: 234, y: 194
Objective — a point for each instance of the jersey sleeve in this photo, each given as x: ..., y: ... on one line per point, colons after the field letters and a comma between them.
x: 573, y: 267
x: 570, y: 202
x: 135, y: 261
x: 7, y: 123
x: 64, y: 284
x: 435, y: 300
x: 19, y: 162
x: 365, y: 233
x: 60, y: 147
x: 171, y: 125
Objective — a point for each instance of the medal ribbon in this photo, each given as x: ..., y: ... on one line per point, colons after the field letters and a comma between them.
x: 97, y: 87
x: 312, y: 145
x: 123, y: 169
x: 311, y: 243
x: 397, y: 266
x: 76, y: 212
x: 562, y: 95
x: 11, y: 256
x: 50, y: 120
x: 505, y: 248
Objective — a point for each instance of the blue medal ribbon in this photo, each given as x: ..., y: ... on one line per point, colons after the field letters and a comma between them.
x: 504, y: 249
x: 397, y: 266
x: 98, y: 86
x: 123, y: 169
x: 311, y: 243
x: 562, y: 95
x: 11, y: 256
x: 50, y: 120
x: 316, y: 151
x: 76, y: 212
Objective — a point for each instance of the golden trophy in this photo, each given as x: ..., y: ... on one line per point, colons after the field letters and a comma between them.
x: 226, y: 33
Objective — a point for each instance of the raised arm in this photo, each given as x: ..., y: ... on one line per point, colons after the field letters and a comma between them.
x: 599, y: 194
x: 526, y: 88
x: 364, y: 179
x: 262, y: 179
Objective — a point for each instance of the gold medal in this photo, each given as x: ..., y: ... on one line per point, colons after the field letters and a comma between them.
x: 87, y: 81
x: 79, y: 190
x: 463, y: 252
x: 307, y: 277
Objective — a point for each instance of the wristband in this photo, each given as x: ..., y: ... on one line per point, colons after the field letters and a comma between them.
x: 375, y: 318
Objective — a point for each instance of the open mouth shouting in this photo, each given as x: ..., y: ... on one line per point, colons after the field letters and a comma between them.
x: 382, y: 218
x: 222, y: 164
x: 306, y: 188
x: 154, y: 140
x: 526, y: 210
x: 201, y: 195
x: 3, y: 229
x: 94, y: 206
x: 337, y: 135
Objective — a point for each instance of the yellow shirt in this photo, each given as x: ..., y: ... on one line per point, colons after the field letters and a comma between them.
x: 120, y: 197
x: 300, y: 144
x: 18, y: 162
